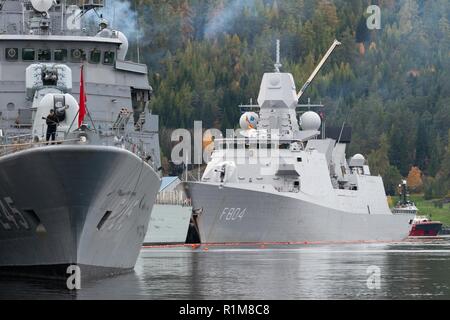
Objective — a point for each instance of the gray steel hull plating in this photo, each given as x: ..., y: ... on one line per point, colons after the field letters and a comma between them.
x: 83, y: 205
x: 231, y: 214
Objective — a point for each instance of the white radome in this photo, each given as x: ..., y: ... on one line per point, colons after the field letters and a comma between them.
x: 248, y: 120
x: 358, y: 156
x: 42, y: 5
x: 310, y: 121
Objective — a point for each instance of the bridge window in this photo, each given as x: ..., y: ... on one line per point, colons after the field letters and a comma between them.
x: 28, y: 54
x: 44, y: 55
x: 108, y: 57
x: 77, y: 55
x: 94, y: 56
x: 60, y: 54
x: 12, y: 54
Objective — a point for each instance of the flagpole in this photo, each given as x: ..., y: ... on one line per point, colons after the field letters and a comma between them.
x: 84, y: 105
x: 82, y: 99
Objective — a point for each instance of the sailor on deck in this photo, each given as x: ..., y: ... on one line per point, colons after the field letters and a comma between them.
x: 52, y: 124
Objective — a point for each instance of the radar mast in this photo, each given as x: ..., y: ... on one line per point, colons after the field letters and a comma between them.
x: 278, y: 64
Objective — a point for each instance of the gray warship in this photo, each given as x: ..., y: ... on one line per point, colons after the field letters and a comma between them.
x: 86, y: 198
x: 273, y: 183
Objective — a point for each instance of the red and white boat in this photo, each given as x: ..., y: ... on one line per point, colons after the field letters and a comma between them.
x: 422, y: 226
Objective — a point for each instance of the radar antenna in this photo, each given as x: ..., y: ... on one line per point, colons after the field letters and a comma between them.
x: 317, y: 69
x: 41, y: 5
x: 278, y: 65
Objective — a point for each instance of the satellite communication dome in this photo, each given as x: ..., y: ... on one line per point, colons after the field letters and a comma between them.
x: 357, y: 160
x: 358, y: 156
x: 248, y: 120
x: 42, y: 5
x: 310, y: 121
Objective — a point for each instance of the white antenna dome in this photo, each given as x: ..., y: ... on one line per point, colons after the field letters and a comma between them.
x: 249, y: 120
x: 42, y: 5
x: 310, y: 121
x: 358, y: 156
x: 357, y: 160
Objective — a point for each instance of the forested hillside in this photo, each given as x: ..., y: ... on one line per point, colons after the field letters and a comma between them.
x: 391, y: 85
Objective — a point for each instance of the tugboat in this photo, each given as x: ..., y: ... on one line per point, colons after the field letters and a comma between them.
x: 422, y: 226
x: 272, y: 182
x: 85, y: 199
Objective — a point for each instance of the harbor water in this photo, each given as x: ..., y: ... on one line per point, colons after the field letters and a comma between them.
x: 408, y: 270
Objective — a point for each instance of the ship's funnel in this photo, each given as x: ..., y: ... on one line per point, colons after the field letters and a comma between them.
x: 123, y: 49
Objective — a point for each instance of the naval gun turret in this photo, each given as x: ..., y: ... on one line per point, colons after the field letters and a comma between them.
x: 49, y: 86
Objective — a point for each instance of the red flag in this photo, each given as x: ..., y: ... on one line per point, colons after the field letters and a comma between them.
x: 82, y: 110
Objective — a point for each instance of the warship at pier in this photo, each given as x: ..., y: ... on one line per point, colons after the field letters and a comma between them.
x: 281, y: 180
x: 84, y: 199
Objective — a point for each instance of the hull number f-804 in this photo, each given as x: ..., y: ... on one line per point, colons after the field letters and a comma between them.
x: 233, y: 214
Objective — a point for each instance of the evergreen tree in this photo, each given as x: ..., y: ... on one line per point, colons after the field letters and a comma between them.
x: 207, y: 57
x: 379, y: 164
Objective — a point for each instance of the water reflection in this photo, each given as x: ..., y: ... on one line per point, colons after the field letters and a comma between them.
x: 408, y: 270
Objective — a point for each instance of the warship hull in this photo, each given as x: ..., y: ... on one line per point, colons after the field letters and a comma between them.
x: 230, y: 214
x: 73, y: 205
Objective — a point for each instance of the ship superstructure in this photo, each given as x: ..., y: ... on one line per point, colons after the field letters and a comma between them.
x: 272, y: 182
x: 405, y: 205
x: 86, y: 198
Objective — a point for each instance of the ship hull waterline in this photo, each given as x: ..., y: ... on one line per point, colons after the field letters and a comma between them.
x: 229, y: 214
x: 74, y: 205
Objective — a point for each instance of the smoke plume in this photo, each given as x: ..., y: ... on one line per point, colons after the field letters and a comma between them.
x: 224, y: 18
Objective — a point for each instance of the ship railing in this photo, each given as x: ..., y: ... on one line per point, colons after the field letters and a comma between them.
x: 15, y: 146
x: 11, y: 144
x: 173, y: 198
x: 21, y: 138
